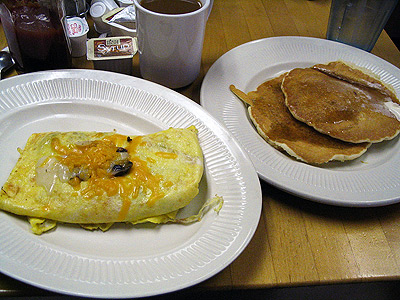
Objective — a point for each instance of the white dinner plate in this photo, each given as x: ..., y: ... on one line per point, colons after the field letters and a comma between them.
x: 126, y: 261
x: 371, y: 180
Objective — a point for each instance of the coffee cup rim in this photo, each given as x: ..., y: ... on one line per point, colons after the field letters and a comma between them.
x: 197, y: 11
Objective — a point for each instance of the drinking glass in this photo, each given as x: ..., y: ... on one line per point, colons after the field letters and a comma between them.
x: 359, y: 22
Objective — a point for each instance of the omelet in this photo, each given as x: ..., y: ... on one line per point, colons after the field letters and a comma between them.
x: 99, y: 178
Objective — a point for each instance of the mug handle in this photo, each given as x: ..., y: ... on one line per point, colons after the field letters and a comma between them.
x: 210, y: 8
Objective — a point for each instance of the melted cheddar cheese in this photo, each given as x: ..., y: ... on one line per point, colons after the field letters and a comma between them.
x: 97, y: 156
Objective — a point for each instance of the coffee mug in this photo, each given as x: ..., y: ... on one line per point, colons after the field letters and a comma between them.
x: 170, y: 45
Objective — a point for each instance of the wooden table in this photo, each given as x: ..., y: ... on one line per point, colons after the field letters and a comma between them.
x: 298, y: 242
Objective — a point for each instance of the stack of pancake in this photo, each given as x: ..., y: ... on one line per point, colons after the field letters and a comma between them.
x: 324, y: 113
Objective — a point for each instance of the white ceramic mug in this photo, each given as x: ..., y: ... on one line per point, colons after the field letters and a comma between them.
x: 170, y: 45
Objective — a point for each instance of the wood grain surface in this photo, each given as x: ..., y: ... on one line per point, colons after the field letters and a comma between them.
x: 297, y: 242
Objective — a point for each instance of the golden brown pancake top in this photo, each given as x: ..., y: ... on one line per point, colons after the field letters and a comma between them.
x: 345, y: 110
x: 347, y: 73
x: 275, y: 123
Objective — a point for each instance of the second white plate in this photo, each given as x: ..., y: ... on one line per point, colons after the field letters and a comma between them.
x: 371, y: 180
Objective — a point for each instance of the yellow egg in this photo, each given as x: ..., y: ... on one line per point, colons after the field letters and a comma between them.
x: 96, y: 179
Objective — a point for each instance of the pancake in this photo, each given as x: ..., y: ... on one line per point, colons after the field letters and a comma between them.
x: 279, y: 128
x: 342, y: 102
x: 356, y: 75
x: 104, y: 177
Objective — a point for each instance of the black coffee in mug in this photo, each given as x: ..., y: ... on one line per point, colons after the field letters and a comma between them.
x: 172, y: 7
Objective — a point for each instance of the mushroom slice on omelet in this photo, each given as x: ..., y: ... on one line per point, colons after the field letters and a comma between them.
x: 96, y: 179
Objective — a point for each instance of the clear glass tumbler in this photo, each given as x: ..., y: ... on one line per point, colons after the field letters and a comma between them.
x: 359, y: 23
